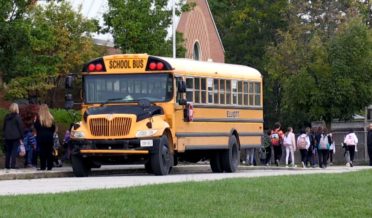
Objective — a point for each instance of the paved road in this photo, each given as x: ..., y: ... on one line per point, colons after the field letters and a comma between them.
x: 136, y: 176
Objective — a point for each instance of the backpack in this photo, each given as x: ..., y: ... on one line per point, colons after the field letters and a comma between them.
x: 349, y: 140
x: 323, y: 144
x: 301, y: 144
x: 287, y: 140
x: 275, y: 138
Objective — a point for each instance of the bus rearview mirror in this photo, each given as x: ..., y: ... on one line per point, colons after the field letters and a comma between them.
x: 68, y: 82
x: 181, y: 86
x: 69, y: 103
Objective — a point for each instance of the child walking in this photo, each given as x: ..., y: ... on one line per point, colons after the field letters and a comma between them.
x: 289, y: 142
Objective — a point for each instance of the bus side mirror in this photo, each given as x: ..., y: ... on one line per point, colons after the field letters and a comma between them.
x: 181, y: 86
x: 68, y: 82
x: 69, y: 103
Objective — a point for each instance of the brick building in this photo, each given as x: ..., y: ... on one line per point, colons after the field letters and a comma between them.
x: 202, y: 40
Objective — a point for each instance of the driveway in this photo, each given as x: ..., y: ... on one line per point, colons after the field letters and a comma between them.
x: 130, y: 176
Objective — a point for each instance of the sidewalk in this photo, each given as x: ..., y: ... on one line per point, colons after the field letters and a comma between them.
x: 57, y: 172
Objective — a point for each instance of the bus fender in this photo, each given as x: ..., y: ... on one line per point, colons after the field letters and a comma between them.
x: 235, y: 133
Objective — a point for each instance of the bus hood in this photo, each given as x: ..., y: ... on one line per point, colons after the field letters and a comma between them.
x: 142, y: 112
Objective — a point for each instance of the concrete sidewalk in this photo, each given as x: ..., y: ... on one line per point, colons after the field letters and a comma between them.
x: 33, y: 173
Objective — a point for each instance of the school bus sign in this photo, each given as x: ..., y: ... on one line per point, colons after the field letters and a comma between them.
x: 122, y: 65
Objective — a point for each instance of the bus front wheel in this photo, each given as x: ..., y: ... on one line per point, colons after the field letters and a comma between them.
x: 161, y: 158
x: 80, y: 167
x: 231, y: 156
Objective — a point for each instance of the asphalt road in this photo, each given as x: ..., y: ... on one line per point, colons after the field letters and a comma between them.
x: 130, y: 176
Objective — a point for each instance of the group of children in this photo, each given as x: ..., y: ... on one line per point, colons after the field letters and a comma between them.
x: 32, y: 150
x: 316, y: 146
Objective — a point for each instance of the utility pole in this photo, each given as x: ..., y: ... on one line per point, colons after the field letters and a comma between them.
x: 174, y: 27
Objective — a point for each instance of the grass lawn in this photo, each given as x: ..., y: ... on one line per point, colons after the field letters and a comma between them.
x: 323, y: 195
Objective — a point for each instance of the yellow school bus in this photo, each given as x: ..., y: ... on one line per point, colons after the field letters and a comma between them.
x: 157, y: 111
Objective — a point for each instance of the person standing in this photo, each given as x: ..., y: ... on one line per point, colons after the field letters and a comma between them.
x: 267, y: 147
x: 276, y: 139
x: 45, y: 129
x: 311, y: 150
x: 303, y: 144
x: 351, y: 141
x: 13, y: 135
x: 289, y: 143
x: 325, y: 141
x: 369, y: 143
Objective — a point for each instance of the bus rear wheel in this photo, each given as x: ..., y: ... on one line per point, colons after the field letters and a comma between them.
x: 161, y: 158
x: 231, y: 156
x: 80, y: 166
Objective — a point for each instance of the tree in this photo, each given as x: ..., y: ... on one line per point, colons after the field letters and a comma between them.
x: 247, y: 28
x: 332, y: 81
x: 141, y: 26
x: 13, y: 35
x: 60, y: 42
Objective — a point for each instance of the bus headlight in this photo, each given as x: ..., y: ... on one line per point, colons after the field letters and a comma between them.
x: 77, y: 134
x: 146, y: 133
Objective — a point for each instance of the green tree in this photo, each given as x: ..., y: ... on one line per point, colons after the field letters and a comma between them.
x: 333, y: 80
x: 247, y: 28
x: 60, y: 42
x: 141, y: 26
x: 14, y: 29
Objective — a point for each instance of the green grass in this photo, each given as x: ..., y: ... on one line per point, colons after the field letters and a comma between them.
x: 332, y: 195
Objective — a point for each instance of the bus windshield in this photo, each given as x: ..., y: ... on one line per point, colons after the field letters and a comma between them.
x: 128, y: 88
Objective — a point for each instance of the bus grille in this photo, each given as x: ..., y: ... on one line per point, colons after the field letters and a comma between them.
x: 119, y: 126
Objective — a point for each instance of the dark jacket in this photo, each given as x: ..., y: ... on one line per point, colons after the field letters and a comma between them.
x: 13, y: 127
x: 369, y: 139
x: 44, y: 135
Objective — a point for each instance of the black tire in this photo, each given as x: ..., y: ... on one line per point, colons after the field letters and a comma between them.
x: 161, y: 159
x: 231, y: 156
x: 80, y: 167
x: 215, y: 162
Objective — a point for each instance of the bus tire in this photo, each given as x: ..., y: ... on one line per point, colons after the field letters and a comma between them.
x: 80, y: 167
x: 231, y: 156
x: 161, y: 158
x: 215, y: 162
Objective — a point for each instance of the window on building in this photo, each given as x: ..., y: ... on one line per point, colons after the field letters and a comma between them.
x: 196, y: 51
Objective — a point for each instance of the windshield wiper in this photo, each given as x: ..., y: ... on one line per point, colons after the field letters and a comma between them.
x: 112, y: 100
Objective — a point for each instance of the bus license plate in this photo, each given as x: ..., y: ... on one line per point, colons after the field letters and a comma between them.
x: 146, y: 143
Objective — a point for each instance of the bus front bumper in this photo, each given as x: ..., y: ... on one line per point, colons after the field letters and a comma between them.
x: 114, y: 147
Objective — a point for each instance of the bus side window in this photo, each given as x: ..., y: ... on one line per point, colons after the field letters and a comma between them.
x: 246, y: 93
x: 228, y: 92
x: 251, y: 94
x: 216, y: 89
x: 190, y: 89
x: 257, y: 101
x: 240, y: 93
x: 197, y: 90
x: 210, y: 90
x: 179, y: 96
x: 203, y: 90
x: 234, y: 86
x: 222, y: 91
